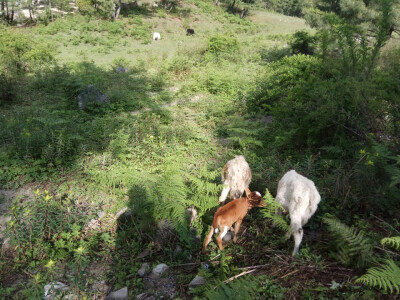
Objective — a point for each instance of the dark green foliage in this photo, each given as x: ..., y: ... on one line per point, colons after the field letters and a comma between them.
x: 286, y: 7
x: 316, y: 108
x: 302, y: 43
x: 353, y: 248
x: 241, y: 288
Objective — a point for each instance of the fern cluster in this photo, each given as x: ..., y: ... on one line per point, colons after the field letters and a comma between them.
x: 387, y: 275
x: 353, y: 247
x: 163, y: 191
x: 271, y: 211
x: 245, y: 287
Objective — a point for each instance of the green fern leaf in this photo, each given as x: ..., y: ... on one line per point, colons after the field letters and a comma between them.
x: 392, y: 241
x: 352, y: 245
x: 386, y: 277
x: 240, y: 289
x: 271, y: 209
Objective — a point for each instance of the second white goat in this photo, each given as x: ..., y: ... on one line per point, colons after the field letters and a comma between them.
x: 298, y: 196
x: 236, y: 177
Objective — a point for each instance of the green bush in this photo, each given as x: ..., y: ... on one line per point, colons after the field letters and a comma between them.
x: 302, y: 43
x: 220, y: 44
x: 317, y: 109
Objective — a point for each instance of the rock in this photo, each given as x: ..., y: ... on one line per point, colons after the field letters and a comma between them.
x: 90, y: 94
x: 3, y: 224
x: 144, y: 253
x: 178, y: 249
x: 165, y: 233
x: 227, y: 237
x: 121, y: 70
x: 193, y: 214
x: 145, y: 296
x: 100, y: 214
x: 159, y: 270
x: 6, y: 246
x: 70, y: 297
x: 144, y: 270
x: 198, y: 280
x: 100, y: 286
x: 120, y: 294
x: 52, y: 288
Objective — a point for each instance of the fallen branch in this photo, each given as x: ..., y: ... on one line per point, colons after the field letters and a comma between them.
x: 288, y: 274
x: 236, y: 276
x: 254, y: 267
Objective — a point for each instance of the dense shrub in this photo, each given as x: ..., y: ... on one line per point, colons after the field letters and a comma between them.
x: 317, y: 109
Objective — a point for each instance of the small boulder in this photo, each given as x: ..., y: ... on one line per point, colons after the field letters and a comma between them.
x: 144, y: 270
x: 120, y: 294
x: 52, y: 288
x: 121, y: 70
x: 6, y: 246
x: 198, y: 280
x: 227, y: 237
x: 159, y: 270
x: 145, y: 296
x: 178, y: 249
x: 90, y: 94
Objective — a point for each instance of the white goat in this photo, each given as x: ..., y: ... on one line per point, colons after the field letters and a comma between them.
x: 298, y: 196
x: 156, y: 36
x: 236, y: 177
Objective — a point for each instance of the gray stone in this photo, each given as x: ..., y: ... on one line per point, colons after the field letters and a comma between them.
x: 52, y: 288
x: 227, y: 237
x: 6, y: 246
x: 198, y: 280
x: 193, y: 214
x: 3, y: 224
x: 120, y: 294
x: 144, y: 270
x: 145, y: 296
x: 178, y: 249
x: 90, y: 94
x: 159, y: 270
x: 121, y: 70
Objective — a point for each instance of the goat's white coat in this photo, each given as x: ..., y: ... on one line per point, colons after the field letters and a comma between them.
x: 156, y: 36
x: 299, y: 196
x: 236, y: 177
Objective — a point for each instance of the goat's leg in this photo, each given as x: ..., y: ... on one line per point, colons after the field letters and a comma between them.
x: 224, y: 194
x: 297, y: 234
x: 237, y: 227
x: 220, y: 236
x: 208, y: 239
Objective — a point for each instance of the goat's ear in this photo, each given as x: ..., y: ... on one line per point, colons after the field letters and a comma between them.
x: 248, y: 192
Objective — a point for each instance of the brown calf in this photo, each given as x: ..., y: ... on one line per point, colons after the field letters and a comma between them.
x: 230, y: 213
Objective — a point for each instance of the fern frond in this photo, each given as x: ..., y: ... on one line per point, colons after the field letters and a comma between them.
x: 386, y: 277
x: 239, y: 289
x: 352, y: 245
x: 271, y: 209
x: 392, y: 241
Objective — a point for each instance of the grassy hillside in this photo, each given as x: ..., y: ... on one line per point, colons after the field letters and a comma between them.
x: 93, y: 194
